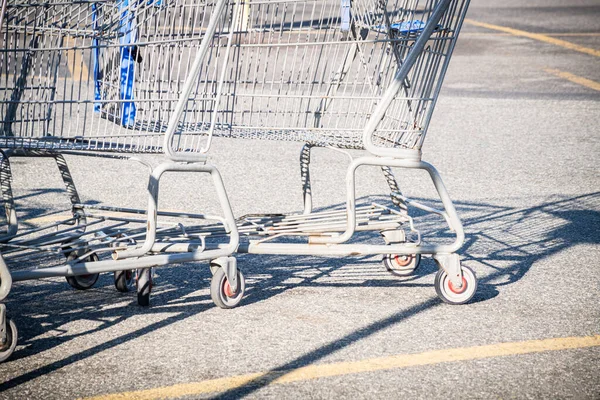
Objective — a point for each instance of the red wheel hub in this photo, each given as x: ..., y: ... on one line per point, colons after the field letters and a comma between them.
x: 458, y: 290
x: 403, y: 260
x: 227, y: 289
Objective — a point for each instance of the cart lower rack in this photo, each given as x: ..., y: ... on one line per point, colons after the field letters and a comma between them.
x: 120, y: 78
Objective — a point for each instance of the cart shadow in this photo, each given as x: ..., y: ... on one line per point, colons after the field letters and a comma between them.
x: 518, y: 237
x: 503, y: 242
x: 46, y: 310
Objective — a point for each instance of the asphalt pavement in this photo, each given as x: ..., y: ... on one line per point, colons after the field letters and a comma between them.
x: 515, y: 137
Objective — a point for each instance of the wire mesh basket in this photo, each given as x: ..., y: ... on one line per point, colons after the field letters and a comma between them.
x: 107, y: 75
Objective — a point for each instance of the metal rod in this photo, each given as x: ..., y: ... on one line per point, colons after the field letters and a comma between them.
x: 395, y: 86
x: 187, y: 89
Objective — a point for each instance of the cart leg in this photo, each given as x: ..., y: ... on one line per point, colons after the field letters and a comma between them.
x: 7, y: 197
x: 67, y: 178
x: 305, y: 176
x: 450, y: 263
x: 226, y: 263
x: 449, y: 212
x: 63, y: 168
x: 229, y: 266
x: 395, y: 192
x: 152, y: 210
x: 399, y: 265
x: 65, y: 173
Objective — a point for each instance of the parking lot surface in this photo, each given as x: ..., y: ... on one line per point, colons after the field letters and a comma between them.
x: 515, y: 137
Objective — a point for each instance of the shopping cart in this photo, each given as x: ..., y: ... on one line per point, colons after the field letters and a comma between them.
x: 120, y: 78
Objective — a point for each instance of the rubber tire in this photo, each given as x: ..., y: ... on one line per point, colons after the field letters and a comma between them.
x: 214, y: 267
x: 84, y: 282
x: 12, y: 336
x: 124, y: 280
x: 448, y: 295
x: 392, y: 265
x: 144, y: 286
x: 218, y: 290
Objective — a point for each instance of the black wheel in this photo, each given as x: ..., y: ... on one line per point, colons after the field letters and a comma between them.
x: 451, y: 295
x: 402, y: 265
x: 144, y: 286
x: 221, y: 292
x: 83, y: 282
x: 124, y: 280
x: 9, y: 346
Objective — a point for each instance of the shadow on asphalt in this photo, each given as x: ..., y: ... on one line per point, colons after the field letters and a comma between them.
x: 507, y: 241
x: 516, y: 237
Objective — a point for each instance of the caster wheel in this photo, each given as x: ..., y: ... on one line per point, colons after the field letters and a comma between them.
x: 8, y: 348
x: 124, y: 280
x: 144, y: 286
x: 221, y: 292
x: 402, y: 265
x: 451, y: 295
x: 83, y: 282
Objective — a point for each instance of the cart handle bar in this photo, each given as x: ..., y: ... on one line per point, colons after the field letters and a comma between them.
x: 395, y: 86
x: 187, y: 89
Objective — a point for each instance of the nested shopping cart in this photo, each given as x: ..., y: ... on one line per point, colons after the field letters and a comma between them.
x: 120, y: 78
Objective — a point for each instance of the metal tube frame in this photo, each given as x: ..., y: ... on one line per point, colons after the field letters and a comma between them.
x: 148, y: 261
x: 334, y: 245
x: 305, y: 155
x: 305, y: 177
x: 396, y: 85
x: 189, y: 85
x: 318, y: 245
x: 153, y: 188
x: 6, y: 187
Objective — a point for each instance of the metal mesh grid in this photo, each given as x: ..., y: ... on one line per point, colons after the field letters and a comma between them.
x: 106, y: 75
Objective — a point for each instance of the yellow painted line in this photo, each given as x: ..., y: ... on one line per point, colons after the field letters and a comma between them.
x: 575, y: 34
x: 536, y: 36
x: 354, y: 367
x: 75, y: 63
x: 582, y: 34
x: 484, y: 34
x: 574, y: 78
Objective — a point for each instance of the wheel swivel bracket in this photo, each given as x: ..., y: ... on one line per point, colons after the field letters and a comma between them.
x: 451, y: 264
x: 229, y: 265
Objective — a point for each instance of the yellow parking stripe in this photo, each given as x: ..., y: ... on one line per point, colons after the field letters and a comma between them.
x: 574, y: 78
x: 573, y: 34
x: 536, y: 36
x: 354, y: 367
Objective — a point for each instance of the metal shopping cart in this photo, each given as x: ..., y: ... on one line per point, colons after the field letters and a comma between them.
x: 119, y: 78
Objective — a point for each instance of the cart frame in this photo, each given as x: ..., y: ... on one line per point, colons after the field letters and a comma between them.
x: 331, y: 239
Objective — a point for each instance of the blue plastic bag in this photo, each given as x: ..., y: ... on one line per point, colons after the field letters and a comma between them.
x: 127, y: 40
x: 403, y: 28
